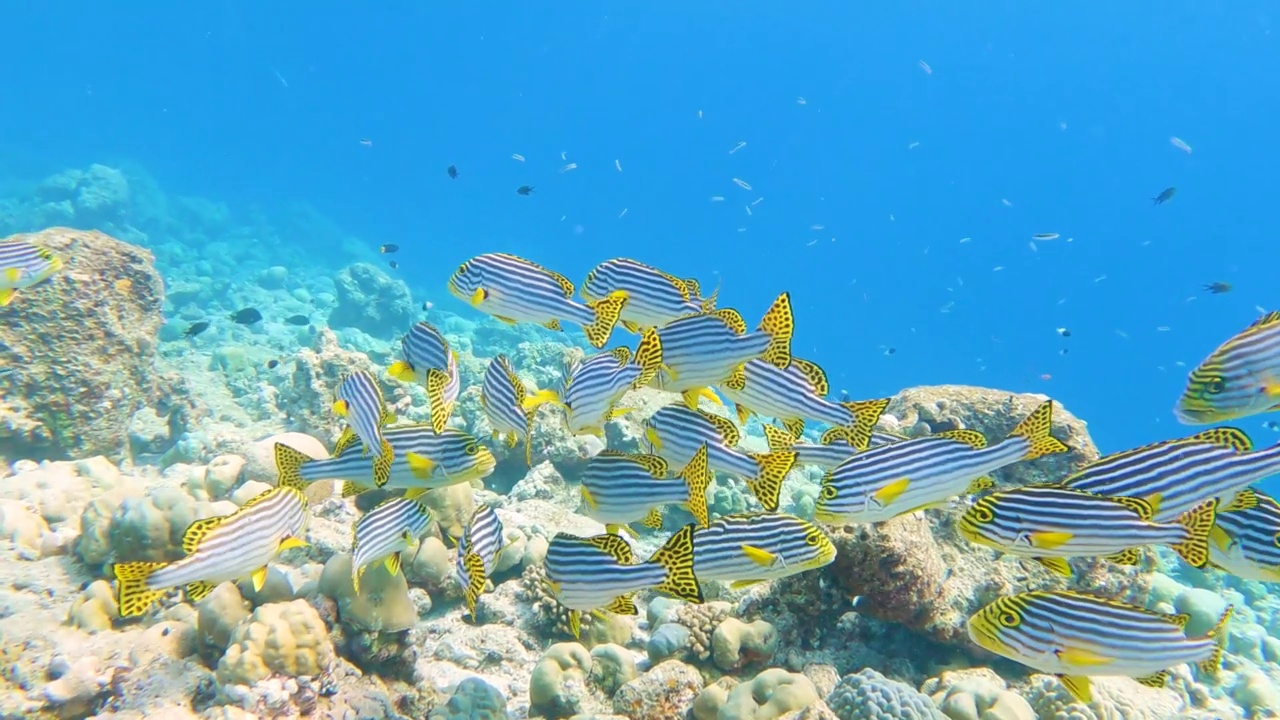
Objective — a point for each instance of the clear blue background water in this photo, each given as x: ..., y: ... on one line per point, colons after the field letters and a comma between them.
x: 1065, y: 110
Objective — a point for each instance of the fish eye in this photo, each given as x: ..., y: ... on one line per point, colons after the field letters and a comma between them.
x: 470, y: 449
x: 1008, y: 619
x: 829, y: 492
x: 982, y: 513
x: 811, y: 539
x: 1215, y: 385
x: 462, y: 269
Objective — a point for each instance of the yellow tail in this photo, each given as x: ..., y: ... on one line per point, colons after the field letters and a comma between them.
x: 289, y: 464
x: 1199, y: 523
x: 131, y: 585
x: 606, y: 309
x: 648, y: 357
x: 677, y: 557
x: 863, y: 416
x: 1210, y: 665
x: 698, y: 477
x: 533, y: 401
x: 780, y: 324
x: 767, y: 485
x: 1035, y: 429
x: 437, y: 380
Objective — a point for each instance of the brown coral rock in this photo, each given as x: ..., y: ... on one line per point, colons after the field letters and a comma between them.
x: 82, y: 347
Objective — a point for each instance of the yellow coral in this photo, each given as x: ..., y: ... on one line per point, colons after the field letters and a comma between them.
x: 279, y: 638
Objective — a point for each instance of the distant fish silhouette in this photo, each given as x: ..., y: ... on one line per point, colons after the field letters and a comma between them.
x: 1217, y: 288
x: 453, y: 172
x: 524, y: 189
x: 1164, y: 196
x: 247, y: 316
x: 197, y: 328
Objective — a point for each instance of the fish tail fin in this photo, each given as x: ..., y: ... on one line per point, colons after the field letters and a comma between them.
x: 1198, y: 522
x: 382, y: 464
x: 131, y: 584
x: 1035, y: 429
x: 767, y: 485
x: 606, y: 311
x: 535, y: 400
x: 676, y: 556
x: 863, y: 416
x: 648, y: 357
x: 1210, y: 665
x: 289, y: 462
x: 401, y: 371
x: 437, y: 380
x: 476, y: 580
x: 780, y: 325
x: 697, y: 476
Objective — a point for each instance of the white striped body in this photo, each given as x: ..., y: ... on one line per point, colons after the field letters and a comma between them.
x: 23, y: 265
x: 428, y: 360
x: 361, y: 405
x: 454, y: 457
x: 1246, y: 541
x: 390, y: 528
x: 241, y: 543
x: 753, y: 547
x: 517, y: 289
x: 501, y: 393
x: 483, y: 538
x: 702, y: 351
x: 654, y: 297
x: 587, y: 577
x: 675, y: 433
x: 787, y: 394
x: 1238, y: 379
x: 592, y: 389
x: 619, y: 488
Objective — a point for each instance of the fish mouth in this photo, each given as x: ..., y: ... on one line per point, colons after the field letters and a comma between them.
x: 823, y: 515
x: 1196, y: 416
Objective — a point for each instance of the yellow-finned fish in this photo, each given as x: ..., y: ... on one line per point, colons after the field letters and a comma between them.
x: 513, y: 289
x: 424, y: 460
x: 428, y: 360
x: 509, y: 406
x: 1238, y: 379
x: 1076, y: 636
x: 833, y: 449
x: 796, y: 394
x: 891, y: 480
x: 1245, y: 541
x: 1050, y: 524
x: 676, y: 433
x: 592, y: 387
x: 390, y: 528
x: 599, y: 573
x: 702, y: 351
x: 23, y: 265
x: 654, y: 298
x: 218, y: 549
x: 478, y: 552
x: 749, y: 548
x: 360, y: 402
x: 621, y: 488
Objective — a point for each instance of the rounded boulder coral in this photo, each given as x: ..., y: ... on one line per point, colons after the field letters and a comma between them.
x: 280, y: 638
x: 868, y: 695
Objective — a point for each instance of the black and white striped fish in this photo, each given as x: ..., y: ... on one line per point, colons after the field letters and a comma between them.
x: 1176, y: 475
x: 23, y: 265
x: 360, y: 403
x: 383, y: 533
x: 592, y: 387
x: 621, y: 488
x: 1245, y: 541
x: 478, y: 551
x: 1075, y: 636
x: 834, y: 448
x: 748, y: 548
x: 798, y: 393
x: 654, y: 298
x: 676, y: 433
x: 1240, y: 378
x: 218, y: 549
x: 513, y: 289
x: 509, y: 406
x: 428, y: 360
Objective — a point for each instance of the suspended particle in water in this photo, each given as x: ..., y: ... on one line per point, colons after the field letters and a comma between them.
x: 1180, y: 144
x: 1064, y: 332
x: 1006, y: 202
x: 624, y: 212
x: 741, y: 144
x: 1033, y: 247
x: 757, y: 201
x: 717, y: 198
x: 570, y: 166
x: 748, y: 209
x: 913, y: 146
x: 925, y: 67
x: 517, y: 157
x: 997, y: 268
x: 563, y: 155
x: 817, y: 227
x: 964, y: 240
x: 801, y: 101
x: 742, y: 183
x: 618, y: 164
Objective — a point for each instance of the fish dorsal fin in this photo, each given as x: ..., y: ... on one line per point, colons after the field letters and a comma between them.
x: 200, y: 529
x: 816, y: 376
x: 623, y: 355
x: 566, y: 285
x: 1246, y: 499
x: 832, y: 436
x: 737, y: 379
x: 1270, y: 318
x: 1228, y: 437
x: 678, y: 284
x: 724, y: 426
x: 345, y: 440
x: 652, y: 464
x: 1138, y: 505
x: 1179, y: 619
x: 972, y: 438
x: 517, y: 385
x: 693, y: 286
x: 778, y: 438
x: 731, y: 318
x: 614, y: 546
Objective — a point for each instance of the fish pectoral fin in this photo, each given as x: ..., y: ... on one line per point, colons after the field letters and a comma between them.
x: 420, y: 465
x: 615, y: 529
x: 1078, y: 686
x: 1155, y: 680
x: 478, y: 297
x: 979, y: 484
x: 759, y: 556
x: 6, y: 296
x: 622, y: 605
x: 340, y: 408
x: 1083, y: 657
x: 739, y: 584
x: 891, y: 492
x: 13, y: 274
x: 1050, y: 538
x: 199, y: 590
x: 630, y: 326
x: 1056, y: 565
x: 259, y: 578
x: 616, y: 413
x: 291, y: 542
x: 506, y: 320
x: 393, y: 563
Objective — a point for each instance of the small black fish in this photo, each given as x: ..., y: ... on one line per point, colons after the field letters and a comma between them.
x: 453, y: 172
x: 298, y: 320
x: 427, y: 305
x: 272, y: 364
x: 524, y: 189
x: 197, y: 328
x: 394, y: 265
x: 389, y: 248
x: 1164, y: 196
x: 247, y: 316
x: 1217, y: 288
x: 890, y: 351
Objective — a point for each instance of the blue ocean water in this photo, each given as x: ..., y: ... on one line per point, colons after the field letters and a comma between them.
x: 897, y: 130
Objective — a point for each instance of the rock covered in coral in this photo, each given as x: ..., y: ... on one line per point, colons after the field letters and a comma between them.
x: 280, y: 638
x: 868, y: 695
x: 474, y: 699
x: 82, y: 348
x: 372, y: 301
x: 667, y: 690
x: 558, y: 686
x: 976, y: 694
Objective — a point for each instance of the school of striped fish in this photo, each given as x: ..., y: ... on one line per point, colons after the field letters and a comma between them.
x: 1193, y: 494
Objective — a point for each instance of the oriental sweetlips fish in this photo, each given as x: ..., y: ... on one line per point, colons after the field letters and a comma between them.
x: 217, y: 549
x: 620, y: 488
x: 1239, y: 379
x: 384, y: 532
x: 900, y: 478
x: 509, y: 406
x: 654, y: 298
x: 513, y: 289
x: 478, y: 552
x: 23, y: 265
x: 428, y: 360
x: 592, y: 387
x: 1075, y: 636
x: 360, y: 402
x: 1245, y: 541
x: 749, y: 548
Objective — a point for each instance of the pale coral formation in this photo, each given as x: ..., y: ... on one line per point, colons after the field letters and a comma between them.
x: 868, y: 695
x: 281, y: 638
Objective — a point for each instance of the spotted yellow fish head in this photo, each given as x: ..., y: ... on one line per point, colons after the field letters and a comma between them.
x: 467, y: 283
x: 44, y: 265
x: 825, y: 508
x: 482, y: 460
x: 1215, y: 394
x: 822, y: 550
x: 989, y: 626
x: 978, y: 524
